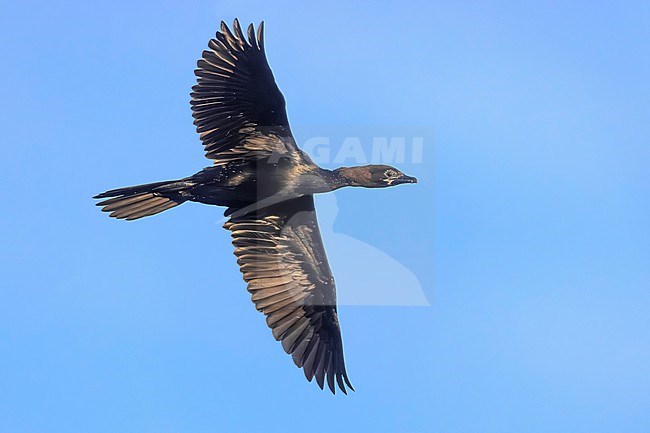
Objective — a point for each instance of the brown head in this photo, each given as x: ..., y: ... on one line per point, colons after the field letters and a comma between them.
x: 372, y: 176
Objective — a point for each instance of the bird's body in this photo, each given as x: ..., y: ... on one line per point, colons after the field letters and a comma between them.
x: 241, y: 183
x: 266, y: 184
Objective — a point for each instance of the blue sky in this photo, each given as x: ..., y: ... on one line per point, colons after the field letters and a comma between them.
x: 528, y: 232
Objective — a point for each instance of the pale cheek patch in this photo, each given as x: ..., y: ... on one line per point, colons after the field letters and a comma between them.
x: 390, y: 179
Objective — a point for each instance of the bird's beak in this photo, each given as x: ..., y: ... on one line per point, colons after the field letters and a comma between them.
x: 405, y: 179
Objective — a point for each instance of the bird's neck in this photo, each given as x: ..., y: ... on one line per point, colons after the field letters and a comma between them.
x: 345, y: 176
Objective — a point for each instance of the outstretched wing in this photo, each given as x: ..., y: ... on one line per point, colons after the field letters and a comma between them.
x: 281, y: 256
x: 238, y: 109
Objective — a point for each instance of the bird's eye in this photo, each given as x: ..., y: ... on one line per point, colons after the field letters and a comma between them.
x: 390, y: 173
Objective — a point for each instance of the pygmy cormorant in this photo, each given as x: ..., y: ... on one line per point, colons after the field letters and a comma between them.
x: 267, y: 184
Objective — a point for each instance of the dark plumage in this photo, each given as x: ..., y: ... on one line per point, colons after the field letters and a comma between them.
x: 267, y: 185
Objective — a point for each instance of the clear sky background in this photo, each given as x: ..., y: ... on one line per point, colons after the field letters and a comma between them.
x: 529, y: 232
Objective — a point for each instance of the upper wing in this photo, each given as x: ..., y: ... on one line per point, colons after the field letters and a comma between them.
x: 238, y: 109
x: 281, y: 256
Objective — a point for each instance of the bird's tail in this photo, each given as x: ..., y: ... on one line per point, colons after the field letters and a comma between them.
x: 134, y: 202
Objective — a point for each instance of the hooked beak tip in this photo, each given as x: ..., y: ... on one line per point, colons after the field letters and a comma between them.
x: 408, y: 179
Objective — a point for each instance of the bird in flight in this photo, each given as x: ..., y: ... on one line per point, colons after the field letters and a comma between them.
x: 267, y: 185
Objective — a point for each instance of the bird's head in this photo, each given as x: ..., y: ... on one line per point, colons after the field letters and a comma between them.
x: 374, y: 176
